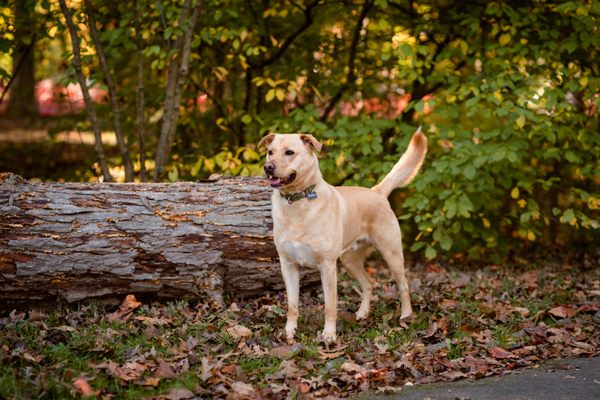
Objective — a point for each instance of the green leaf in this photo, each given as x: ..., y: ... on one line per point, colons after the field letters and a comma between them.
x: 270, y: 95
x: 470, y: 171
x: 430, y: 253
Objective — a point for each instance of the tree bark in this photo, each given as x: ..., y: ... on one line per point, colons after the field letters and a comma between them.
x: 83, y: 240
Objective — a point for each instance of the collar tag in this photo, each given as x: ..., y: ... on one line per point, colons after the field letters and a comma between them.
x: 311, y: 195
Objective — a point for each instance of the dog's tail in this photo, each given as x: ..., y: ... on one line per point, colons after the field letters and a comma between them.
x: 407, y: 167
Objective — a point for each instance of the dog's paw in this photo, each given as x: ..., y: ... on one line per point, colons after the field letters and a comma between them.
x: 362, y: 314
x: 290, y: 332
x: 407, y: 319
x: 328, y: 338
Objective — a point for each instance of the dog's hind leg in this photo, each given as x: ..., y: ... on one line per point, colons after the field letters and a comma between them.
x: 388, y: 240
x: 353, y: 261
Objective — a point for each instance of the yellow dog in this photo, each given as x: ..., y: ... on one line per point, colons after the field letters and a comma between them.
x: 315, y: 223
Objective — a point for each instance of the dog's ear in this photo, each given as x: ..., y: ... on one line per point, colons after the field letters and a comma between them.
x: 311, y: 142
x: 266, y: 140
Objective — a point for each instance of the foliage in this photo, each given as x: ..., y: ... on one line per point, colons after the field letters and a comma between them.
x: 468, y: 324
x: 507, y: 92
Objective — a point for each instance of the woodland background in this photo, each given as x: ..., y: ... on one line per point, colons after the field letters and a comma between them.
x: 507, y: 92
x: 503, y: 218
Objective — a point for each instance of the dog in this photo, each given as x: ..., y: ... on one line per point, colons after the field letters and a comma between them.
x: 315, y: 223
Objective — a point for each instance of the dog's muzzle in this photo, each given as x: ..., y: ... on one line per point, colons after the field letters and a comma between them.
x: 275, y: 181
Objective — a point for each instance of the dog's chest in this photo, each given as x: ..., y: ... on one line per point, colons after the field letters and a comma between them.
x: 300, y: 253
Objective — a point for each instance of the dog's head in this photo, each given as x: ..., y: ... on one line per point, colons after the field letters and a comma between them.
x: 291, y: 159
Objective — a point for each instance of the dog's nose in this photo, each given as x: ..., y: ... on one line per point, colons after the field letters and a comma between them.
x: 269, y: 168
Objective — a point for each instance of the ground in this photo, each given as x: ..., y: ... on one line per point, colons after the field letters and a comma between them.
x: 470, y: 322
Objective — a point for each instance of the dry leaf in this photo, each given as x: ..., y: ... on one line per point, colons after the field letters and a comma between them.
x: 164, y: 370
x: 448, y: 304
x: 352, y: 368
x: 524, y: 312
x: 562, y: 312
x: 499, y: 353
x: 327, y: 355
x: 151, y: 381
x: 178, y: 394
x: 238, y: 332
x: 82, y: 387
x: 36, y: 315
x: 125, y: 309
x: 242, y: 390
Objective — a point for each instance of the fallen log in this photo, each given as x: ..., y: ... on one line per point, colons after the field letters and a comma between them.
x: 88, y: 240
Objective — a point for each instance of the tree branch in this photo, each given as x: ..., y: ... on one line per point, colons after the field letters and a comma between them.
x: 112, y: 91
x: 308, y: 20
x: 177, y: 75
x: 89, y: 105
x: 351, y: 76
x: 139, y: 98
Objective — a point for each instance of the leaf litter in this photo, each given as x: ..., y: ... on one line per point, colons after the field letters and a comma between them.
x: 467, y: 325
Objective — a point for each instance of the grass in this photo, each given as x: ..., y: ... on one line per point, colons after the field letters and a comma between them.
x: 41, y: 357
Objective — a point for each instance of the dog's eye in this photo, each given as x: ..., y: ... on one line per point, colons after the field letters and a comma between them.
x: 270, y: 152
x: 289, y: 153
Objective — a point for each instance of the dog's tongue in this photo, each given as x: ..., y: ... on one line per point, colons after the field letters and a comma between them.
x: 276, y: 182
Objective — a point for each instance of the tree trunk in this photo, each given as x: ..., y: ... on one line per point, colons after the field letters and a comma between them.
x: 22, y: 102
x: 84, y: 240
x: 112, y: 91
x: 89, y: 104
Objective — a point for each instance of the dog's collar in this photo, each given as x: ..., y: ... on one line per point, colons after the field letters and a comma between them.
x: 309, y: 193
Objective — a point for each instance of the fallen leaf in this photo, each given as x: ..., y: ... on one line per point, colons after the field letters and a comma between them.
x: 433, y: 328
x: 448, y: 304
x: 330, y: 354
x: 16, y: 317
x: 239, y: 332
x: 36, y: 359
x: 36, y: 315
x: 285, y: 351
x: 289, y: 369
x: 178, y: 394
x: 125, y: 309
x: 164, y: 370
x: 522, y: 311
x: 562, y: 312
x: 499, y: 353
x: 352, y: 367
x: 206, y: 369
x: 63, y: 328
x: 530, y: 279
x: 453, y: 375
x: 242, y: 390
x: 130, y: 371
x: 82, y: 387
x: 151, y: 381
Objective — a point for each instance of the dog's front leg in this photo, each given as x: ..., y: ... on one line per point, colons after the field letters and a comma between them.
x: 291, y: 277
x: 329, y: 281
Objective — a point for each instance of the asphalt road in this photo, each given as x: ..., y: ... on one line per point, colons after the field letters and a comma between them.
x: 567, y: 379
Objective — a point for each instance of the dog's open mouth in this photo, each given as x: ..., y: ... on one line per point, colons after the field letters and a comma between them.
x: 278, y: 182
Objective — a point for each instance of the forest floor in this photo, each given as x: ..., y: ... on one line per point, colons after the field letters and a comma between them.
x: 469, y: 323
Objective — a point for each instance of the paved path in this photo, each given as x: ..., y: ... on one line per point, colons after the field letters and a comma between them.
x: 567, y: 379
